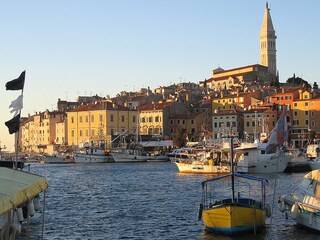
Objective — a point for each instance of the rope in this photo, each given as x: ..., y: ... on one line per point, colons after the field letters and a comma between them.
x: 44, y: 207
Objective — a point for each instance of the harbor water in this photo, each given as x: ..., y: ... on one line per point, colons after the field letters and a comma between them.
x: 139, y: 201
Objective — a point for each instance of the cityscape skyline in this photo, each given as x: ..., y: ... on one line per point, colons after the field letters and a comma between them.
x: 84, y: 48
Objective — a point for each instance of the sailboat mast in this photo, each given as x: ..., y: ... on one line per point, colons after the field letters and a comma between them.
x: 232, y: 167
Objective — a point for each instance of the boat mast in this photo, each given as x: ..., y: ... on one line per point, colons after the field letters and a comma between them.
x: 232, y: 166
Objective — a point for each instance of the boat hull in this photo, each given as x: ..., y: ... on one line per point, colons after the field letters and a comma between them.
x: 91, y: 158
x: 127, y: 158
x: 201, y: 168
x: 260, y: 165
x: 232, y: 219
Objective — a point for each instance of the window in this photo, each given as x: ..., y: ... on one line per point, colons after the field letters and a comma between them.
x: 178, y: 121
x: 215, y: 125
x: 80, y: 133
x: 306, y: 113
x: 295, y: 113
x: 133, y: 118
x: 248, y: 124
x: 150, y: 119
x: 295, y: 104
x: 87, y: 119
x: 122, y: 118
x: 171, y: 122
x: 156, y: 119
x: 111, y: 118
x: 306, y: 104
x: 100, y: 118
x: 80, y: 119
x: 72, y: 120
x: 92, y: 118
x: 295, y: 122
x: 307, y: 122
x: 72, y: 133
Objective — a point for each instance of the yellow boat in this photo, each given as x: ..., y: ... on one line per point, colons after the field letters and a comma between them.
x: 234, y: 203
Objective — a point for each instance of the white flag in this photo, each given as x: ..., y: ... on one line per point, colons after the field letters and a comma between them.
x: 16, y: 105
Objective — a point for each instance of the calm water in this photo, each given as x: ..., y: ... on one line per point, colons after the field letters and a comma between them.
x: 137, y: 201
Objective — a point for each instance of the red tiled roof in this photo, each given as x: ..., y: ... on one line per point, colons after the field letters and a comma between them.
x: 155, y: 106
x: 100, y: 106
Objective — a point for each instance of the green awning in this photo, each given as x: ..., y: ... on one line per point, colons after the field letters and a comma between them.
x: 17, y: 187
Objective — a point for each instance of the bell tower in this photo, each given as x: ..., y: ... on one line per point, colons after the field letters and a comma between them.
x: 268, y: 38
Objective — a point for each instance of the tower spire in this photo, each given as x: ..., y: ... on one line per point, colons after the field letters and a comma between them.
x: 268, y: 43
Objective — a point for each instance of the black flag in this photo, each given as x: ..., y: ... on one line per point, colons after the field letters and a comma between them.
x: 16, y: 84
x: 13, y: 124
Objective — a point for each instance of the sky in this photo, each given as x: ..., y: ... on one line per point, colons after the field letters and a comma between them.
x: 72, y: 48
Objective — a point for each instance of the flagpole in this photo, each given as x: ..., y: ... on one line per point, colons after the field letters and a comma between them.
x: 17, y: 136
x: 14, y: 123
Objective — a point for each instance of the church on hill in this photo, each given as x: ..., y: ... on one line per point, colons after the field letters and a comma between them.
x: 260, y: 74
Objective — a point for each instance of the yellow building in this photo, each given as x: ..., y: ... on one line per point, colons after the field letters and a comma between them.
x: 236, y: 101
x: 96, y: 123
x: 305, y: 118
x: 257, y: 122
x: 155, y: 118
x: 39, y: 131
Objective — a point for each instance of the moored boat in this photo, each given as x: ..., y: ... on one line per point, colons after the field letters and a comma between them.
x: 234, y: 203
x: 93, y: 155
x: 304, y: 202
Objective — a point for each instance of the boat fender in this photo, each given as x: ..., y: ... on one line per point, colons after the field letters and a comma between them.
x: 268, y: 210
x: 31, y: 208
x: 282, y: 204
x: 311, y: 218
x: 8, y: 232
x: 19, y: 214
x: 200, y: 211
x: 294, y: 211
x: 36, y: 202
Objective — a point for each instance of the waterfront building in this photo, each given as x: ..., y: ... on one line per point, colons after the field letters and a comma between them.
x: 96, y: 123
x: 238, y: 100
x: 305, y: 118
x: 258, y: 122
x: 155, y: 118
x: 224, y: 119
x: 38, y: 132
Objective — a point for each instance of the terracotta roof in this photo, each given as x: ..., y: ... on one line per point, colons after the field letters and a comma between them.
x: 106, y: 105
x: 155, y: 106
x: 227, y: 112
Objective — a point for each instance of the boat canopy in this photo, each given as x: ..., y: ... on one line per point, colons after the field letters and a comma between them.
x: 240, y: 175
x: 17, y: 187
x: 156, y: 144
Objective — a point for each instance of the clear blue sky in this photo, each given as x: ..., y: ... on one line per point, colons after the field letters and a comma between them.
x: 77, y: 47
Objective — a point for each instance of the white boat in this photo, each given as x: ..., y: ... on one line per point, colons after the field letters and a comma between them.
x: 314, y: 163
x: 59, y: 157
x: 202, y: 161
x: 254, y: 158
x: 304, y: 202
x: 93, y: 155
x: 129, y: 155
x: 268, y: 156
